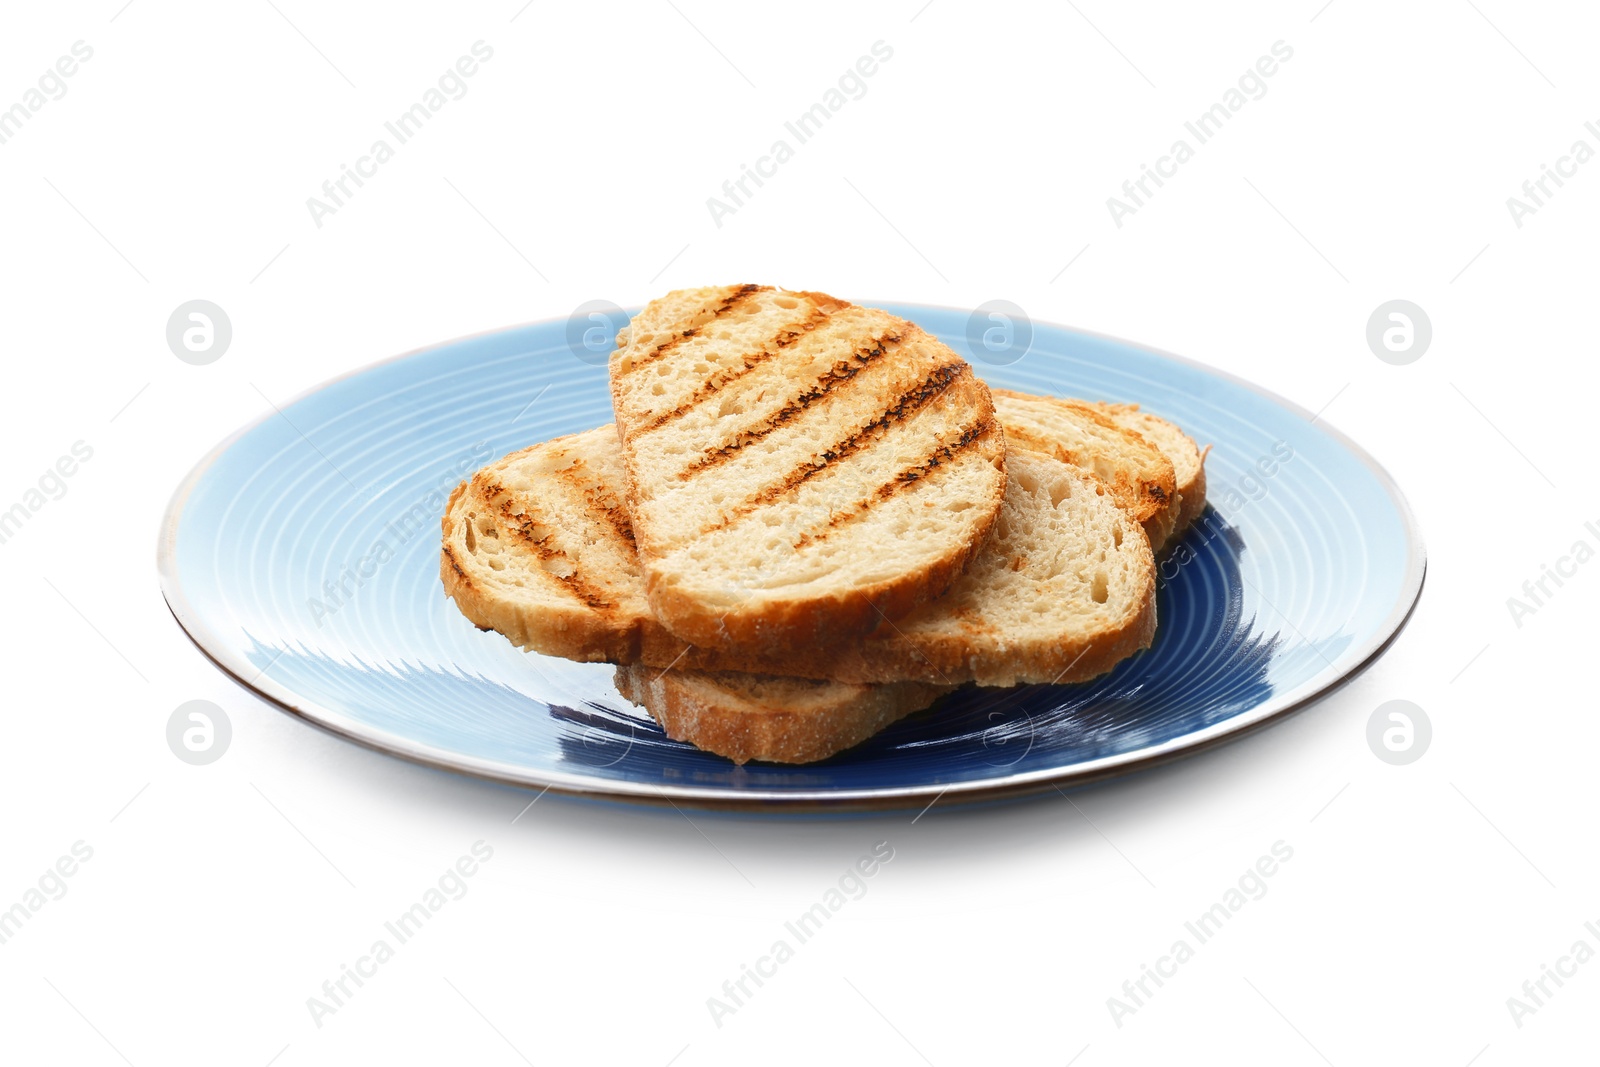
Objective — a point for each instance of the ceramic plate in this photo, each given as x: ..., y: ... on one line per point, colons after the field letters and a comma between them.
x: 302, y: 556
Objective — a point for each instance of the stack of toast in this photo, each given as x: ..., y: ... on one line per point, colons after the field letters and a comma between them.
x: 811, y: 519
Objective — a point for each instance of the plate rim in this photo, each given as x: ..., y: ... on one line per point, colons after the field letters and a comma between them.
x: 797, y: 801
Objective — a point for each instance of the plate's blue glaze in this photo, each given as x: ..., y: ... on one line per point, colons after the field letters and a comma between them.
x: 303, y: 557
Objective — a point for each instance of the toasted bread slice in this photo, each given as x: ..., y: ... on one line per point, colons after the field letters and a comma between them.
x: 713, y: 710
x: 798, y: 468
x: 537, y: 547
x: 1188, y: 461
x: 1134, y: 469
x: 1063, y: 591
x: 759, y: 717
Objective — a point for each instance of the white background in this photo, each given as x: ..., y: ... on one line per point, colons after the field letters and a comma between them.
x: 977, y: 166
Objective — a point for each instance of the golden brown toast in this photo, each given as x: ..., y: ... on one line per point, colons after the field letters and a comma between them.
x: 797, y: 468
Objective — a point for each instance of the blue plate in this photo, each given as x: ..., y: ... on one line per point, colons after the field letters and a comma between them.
x: 302, y: 556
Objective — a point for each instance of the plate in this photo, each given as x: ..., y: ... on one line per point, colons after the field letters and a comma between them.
x: 302, y: 554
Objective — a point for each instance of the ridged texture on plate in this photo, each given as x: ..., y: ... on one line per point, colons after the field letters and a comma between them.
x: 776, y: 720
x: 1061, y: 591
x: 798, y: 468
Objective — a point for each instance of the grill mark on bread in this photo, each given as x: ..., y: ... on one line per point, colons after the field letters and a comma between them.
x: 600, y: 500
x: 455, y: 565
x: 521, y: 527
x: 970, y: 435
x: 841, y: 372
x: 786, y: 336
x: 574, y: 478
x: 728, y: 305
x: 616, y: 517
x: 906, y: 405
x: 939, y: 456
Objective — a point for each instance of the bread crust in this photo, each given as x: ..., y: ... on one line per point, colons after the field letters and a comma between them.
x: 1188, y: 461
x: 754, y: 718
x: 1194, y: 495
